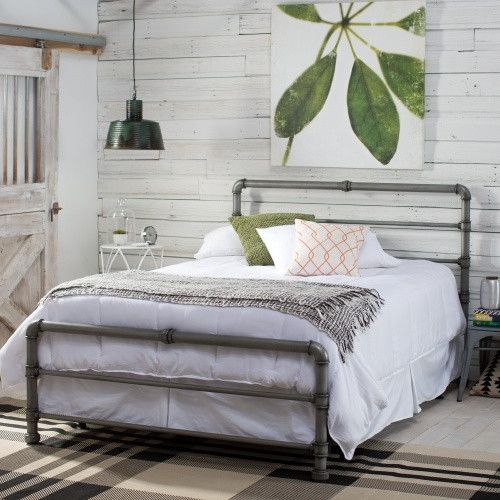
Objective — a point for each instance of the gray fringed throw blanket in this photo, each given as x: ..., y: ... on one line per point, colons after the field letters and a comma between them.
x: 338, y: 310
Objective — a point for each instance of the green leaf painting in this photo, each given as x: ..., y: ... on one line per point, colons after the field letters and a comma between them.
x: 305, y: 98
x: 304, y: 12
x: 405, y: 77
x: 414, y: 23
x: 373, y: 90
x: 372, y: 112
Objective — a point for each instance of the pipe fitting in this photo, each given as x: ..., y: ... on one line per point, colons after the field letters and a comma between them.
x: 464, y: 262
x: 320, y: 450
x: 347, y: 186
x: 32, y: 371
x: 33, y: 330
x: 238, y: 186
x: 321, y: 401
x: 319, y: 353
x: 167, y: 336
x: 464, y: 192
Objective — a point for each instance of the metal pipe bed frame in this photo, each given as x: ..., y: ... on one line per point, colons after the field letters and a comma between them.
x: 320, y: 398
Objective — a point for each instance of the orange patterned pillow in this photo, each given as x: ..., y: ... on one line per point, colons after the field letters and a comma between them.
x: 322, y: 248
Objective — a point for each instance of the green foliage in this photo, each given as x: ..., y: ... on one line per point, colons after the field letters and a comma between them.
x: 305, y: 98
x: 405, y: 77
x: 372, y: 112
x: 119, y: 231
x: 302, y: 11
x: 415, y: 22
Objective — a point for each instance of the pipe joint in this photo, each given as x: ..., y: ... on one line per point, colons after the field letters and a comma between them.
x: 33, y: 330
x: 320, y: 449
x: 319, y: 353
x: 321, y: 401
x: 347, y: 186
x: 464, y: 262
x: 32, y: 371
x: 238, y: 186
x: 463, y: 192
x: 167, y: 336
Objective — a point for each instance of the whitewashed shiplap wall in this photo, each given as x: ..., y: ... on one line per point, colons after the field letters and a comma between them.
x: 203, y: 72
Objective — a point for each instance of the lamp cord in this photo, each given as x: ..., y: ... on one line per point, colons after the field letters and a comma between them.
x: 134, y: 94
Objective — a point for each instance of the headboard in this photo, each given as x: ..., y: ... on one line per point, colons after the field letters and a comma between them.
x: 463, y: 225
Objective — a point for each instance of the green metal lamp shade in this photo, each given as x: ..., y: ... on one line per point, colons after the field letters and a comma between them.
x: 134, y: 132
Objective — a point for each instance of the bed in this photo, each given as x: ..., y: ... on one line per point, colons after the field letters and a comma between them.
x: 249, y: 374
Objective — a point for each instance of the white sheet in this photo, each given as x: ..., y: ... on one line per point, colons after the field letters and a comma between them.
x: 408, y: 355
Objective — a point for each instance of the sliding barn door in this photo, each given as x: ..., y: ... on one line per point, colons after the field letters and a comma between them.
x: 28, y: 169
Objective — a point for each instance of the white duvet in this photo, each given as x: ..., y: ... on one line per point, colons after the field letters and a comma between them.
x: 409, y: 355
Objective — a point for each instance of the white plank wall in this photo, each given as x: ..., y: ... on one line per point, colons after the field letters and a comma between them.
x: 203, y: 72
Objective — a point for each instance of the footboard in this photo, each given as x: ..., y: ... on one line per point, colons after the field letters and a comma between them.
x: 319, y: 398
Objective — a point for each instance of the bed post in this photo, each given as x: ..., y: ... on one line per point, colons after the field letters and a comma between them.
x: 32, y: 372
x: 238, y: 187
x: 464, y: 261
x: 321, y: 401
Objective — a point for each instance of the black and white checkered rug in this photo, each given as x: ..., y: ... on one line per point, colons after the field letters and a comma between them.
x: 73, y: 464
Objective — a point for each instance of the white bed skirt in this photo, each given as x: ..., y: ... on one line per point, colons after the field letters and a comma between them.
x: 242, y: 415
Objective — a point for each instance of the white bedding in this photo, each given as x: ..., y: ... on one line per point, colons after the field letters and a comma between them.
x: 408, y: 355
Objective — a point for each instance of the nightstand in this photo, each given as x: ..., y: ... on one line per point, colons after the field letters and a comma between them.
x: 477, y: 338
x: 142, y: 251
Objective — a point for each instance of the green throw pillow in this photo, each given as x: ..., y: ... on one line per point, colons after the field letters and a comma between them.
x: 246, y: 226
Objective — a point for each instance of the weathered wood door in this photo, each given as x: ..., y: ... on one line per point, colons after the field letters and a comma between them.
x: 29, y: 93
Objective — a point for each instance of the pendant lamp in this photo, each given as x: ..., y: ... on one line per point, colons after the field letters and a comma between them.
x: 134, y: 132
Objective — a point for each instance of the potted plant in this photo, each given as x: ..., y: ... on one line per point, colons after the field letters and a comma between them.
x: 120, y: 237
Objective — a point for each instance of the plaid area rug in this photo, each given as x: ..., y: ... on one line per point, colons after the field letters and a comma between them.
x: 73, y: 464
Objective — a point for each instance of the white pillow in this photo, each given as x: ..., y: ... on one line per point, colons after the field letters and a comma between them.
x: 372, y: 254
x: 221, y: 242
x: 280, y: 243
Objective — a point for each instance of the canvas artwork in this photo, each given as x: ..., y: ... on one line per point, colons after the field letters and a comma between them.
x: 347, y: 84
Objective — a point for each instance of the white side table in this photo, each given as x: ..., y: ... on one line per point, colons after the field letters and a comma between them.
x: 143, y: 251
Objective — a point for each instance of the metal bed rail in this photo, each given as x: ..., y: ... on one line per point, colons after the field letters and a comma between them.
x: 319, y: 398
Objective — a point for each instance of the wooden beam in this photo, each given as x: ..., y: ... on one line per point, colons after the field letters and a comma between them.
x: 48, y: 111
x: 11, y: 314
x: 21, y: 61
x: 22, y: 198
x: 16, y: 268
x: 46, y: 59
x: 30, y: 36
x: 23, y: 224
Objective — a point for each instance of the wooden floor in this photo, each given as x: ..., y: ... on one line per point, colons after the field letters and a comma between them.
x: 473, y: 424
